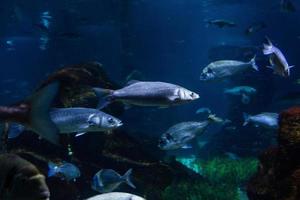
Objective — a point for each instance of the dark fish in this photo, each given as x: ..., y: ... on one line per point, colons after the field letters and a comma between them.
x: 33, y: 113
x: 287, y: 5
x: 221, y: 23
x: 67, y: 171
x: 255, y: 28
x: 107, y: 180
x: 21, y: 180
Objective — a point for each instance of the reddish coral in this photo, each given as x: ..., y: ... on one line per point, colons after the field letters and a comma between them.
x: 278, y: 177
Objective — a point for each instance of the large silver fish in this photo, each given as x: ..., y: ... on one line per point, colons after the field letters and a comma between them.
x: 77, y: 120
x: 116, y: 196
x: 277, y: 60
x: 81, y: 120
x: 266, y: 120
x: 222, y: 69
x: 142, y: 93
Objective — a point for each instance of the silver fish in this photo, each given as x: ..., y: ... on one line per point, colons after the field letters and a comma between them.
x: 116, y: 196
x: 107, y: 180
x: 76, y: 120
x: 179, y: 135
x: 222, y: 69
x: 277, y: 60
x: 140, y: 93
x: 81, y: 120
x: 266, y: 120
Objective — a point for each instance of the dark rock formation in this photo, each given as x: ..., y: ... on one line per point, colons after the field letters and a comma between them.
x: 278, y: 176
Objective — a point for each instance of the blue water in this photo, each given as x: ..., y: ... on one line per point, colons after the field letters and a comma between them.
x: 165, y: 41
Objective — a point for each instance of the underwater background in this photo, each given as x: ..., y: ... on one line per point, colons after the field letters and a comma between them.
x: 172, y: 41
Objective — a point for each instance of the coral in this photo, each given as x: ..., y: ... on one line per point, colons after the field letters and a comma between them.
x: 278, y: 176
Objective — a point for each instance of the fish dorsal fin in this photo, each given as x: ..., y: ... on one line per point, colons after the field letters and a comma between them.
x: 132, y: 82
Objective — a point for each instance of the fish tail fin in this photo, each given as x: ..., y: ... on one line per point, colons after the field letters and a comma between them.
x: 52, y: 169
x: 105, y: 97
x: 40, y: 120
x: 127, y: 178
x: 253, y: 63
x: 268, y: 48
x: 246, y: 119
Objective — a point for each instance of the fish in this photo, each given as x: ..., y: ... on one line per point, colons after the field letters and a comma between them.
x: 116, y: 196
x: 107, y: 180
x: 277, y: 60
x: 266, y: 120
x: 33, y: 113
x: 21, y: 180
x: 66, y: 171
x: 287, y: 6
x: 255, y: 27
x: 14, y: 130
x: 203, y: 110
x: 244, y: 91
x: 232, y: 156
x: 223, y: 69
x: 221, y: 23
x: 142, y: 93
x: 77, y: 120
x: 178, y: 135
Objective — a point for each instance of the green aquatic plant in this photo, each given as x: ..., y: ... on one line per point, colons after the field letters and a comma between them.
x: 225, y: 170
x: 223, y: 179
x: 200, y: 190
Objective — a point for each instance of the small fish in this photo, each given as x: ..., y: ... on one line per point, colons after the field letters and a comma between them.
x: 180, y: 134
x: 33, y: 113
x: 232, y: 156
x: 255, y: 28
x: 21, y: 180
x: 287, y: 6
x: 221, y: 23
x: 222, y: 69
x: 116, y: 196
x: 244, y: 91
x: 142, y: 93
x: 266, y: 120
x: 107, y: 180
x: 203, y: 110
x: 277, y: 60
x: 66, y: 171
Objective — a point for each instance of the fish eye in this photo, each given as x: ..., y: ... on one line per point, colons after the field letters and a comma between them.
x: 110, y: 120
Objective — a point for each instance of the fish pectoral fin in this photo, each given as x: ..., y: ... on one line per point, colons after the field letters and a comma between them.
x: 173, y: 98
x: 80, y: 134
x: 270, y: 67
